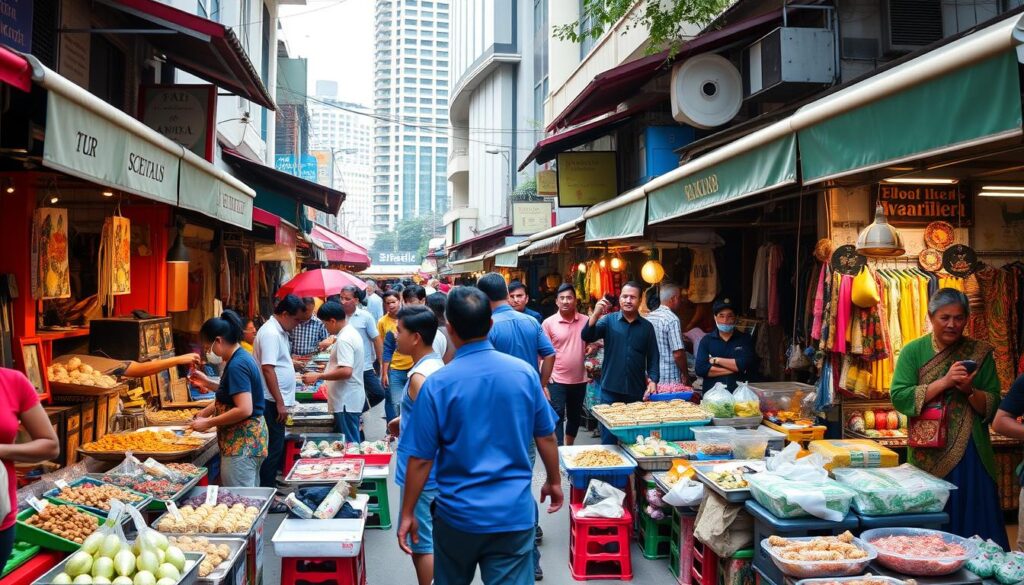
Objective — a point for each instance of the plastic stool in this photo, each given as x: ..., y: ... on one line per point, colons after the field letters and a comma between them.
x: 576, y: 496
x: 654, y: 536
x: 767, y: 524
x: 599, y: 548
x: 292, y: 449
x: 681, y: 547
x: 378, y: 509
x: 324, y: 570
x: 704, y: 570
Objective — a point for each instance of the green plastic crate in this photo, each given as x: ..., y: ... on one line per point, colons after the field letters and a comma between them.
x: 22, y: 552
x: 32, y: 535
x: 673, y: 559
x: 654, y: 537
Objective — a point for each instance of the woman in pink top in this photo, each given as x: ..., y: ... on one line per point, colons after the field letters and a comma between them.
x: 568, y: 384
x: 19, y: 403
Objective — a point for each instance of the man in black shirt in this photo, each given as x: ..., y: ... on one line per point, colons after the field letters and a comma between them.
x: 1005, y: 423
x: 725, y: 355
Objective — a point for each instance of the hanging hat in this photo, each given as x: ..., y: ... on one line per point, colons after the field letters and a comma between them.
x: 823, y: 250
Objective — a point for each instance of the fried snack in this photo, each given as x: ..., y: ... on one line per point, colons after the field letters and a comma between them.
x: 171, y: 416
x: 144, y: 442
x: 96, y: 496
x: 638, y: 413
x: 66, y: 522
x: 597, y: 458
x: 822, y: 548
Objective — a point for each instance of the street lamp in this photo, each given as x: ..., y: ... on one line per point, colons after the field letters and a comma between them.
x: 508, y: 184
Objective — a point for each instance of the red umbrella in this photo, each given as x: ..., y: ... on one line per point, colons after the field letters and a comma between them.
x: 321, y: 282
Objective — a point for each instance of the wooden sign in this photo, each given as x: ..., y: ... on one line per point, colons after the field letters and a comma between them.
x: 919, y: 205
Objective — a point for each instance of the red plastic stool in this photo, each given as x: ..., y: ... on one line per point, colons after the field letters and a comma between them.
x: 576, y: 496
x: 292, y: 447
x: 324, y: 570
x: 599, y: 548
x: 704, y: 570
x: 686, y: 541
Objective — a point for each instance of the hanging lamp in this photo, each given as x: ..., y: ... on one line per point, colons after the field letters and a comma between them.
x: 177, y: 273
x: 880, y: 239
x: 617, y: 264
x: 652, y: 271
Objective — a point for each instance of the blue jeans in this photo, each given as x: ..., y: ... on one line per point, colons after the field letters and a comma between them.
x: 347, y: 423
x: 607, y: 398
x: 423, y: 518
x: 241, y: 471
x: 374, y: 391
x: 396, y: 389
x: 505, y: 558
x: 275, y: 447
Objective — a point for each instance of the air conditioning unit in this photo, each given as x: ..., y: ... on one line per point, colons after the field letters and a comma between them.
x: 908, y: 25
x: 789, y: 62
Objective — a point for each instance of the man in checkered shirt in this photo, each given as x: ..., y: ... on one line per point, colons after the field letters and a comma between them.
x: 668, y: 332
x: 310, y: 331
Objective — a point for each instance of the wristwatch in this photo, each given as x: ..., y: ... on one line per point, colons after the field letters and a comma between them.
x: 714, y: 361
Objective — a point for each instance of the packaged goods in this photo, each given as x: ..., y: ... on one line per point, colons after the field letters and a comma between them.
x: 746, y: 402
x: 1011, y: 570
x: 819, y: 556
x: 714, y: 442
x: 719, y: 402
x: 788, y: 498
x: 748, y: 444
x: 862, y: 453
x: 895, y: 490
x: 298, y: 507
x: 332, y: 503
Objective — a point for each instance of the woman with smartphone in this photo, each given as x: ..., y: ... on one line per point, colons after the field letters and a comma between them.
x: 947, y: 381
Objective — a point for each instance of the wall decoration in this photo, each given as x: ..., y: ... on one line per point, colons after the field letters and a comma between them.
x: 50, y: 278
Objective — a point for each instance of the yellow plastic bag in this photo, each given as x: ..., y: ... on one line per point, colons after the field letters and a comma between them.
x: 865, y: 291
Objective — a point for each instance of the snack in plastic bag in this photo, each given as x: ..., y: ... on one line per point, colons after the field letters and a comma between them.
x: 746, y: 402
x: 981, y: 565
x: 719, y: 402
x: 1011, y: 570
x: 602, y: 500
x: 794, y: 488
x: 895, y: 490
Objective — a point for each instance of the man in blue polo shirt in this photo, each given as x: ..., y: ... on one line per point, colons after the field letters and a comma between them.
x: 475, y: 419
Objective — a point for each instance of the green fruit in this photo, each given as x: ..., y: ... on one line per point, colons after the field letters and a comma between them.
x: 78, y: 564
x: 144, y: 578
x: 168, y: 571
x: 103, y: 567
x: 148, y: 562
x: 166, y: 581
x: 111, y: 546
x: 62, y: 579
x: 124, y: 563
x: 83, y: 580
x: 122, y: 580
x: 176, y: 557
x: 100, y: 581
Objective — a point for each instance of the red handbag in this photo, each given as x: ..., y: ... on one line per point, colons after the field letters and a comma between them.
x: 928, y: 431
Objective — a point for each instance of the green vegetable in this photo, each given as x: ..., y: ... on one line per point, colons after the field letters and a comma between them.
x: 168, y: 571
x: 110, y: 546
x: 144, y: 578
x: 78, y: 564
x: 103, y: 567
x: 148, y: 562
x: 176, y: 557
x: 92, y: 543
x: 62, y: 579
x: 83, y: 580
x: 124, y: 563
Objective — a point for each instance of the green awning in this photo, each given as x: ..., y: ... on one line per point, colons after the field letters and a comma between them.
x: 507, y: 259
x: 622, y: 222
x: 973, y: 105
x: 755, y: 171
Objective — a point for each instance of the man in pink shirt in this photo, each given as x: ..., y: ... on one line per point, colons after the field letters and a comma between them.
x: 568, y: 384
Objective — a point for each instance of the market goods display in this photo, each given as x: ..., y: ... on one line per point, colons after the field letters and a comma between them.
x: 865, y: 580
x: 229, y: 499
x: 75, y: 372
x: 992, y: 562
x: 109, y: 559
x: 619, y: 414
x: 655, y: 447
x: 749, y: 444
x: 862, y: 453
x: 210, y: 519
x: 746, y: 402
x: 895, y: 490
x: 819, y: 556
x: 729, y: 480
x: 920, y: 552
x: 714, y: 442
x: 186, y: 468
x: 877, y: 423
x: 719, y: 402
x: 597, y: 458
x: 315, y: 449
x: 326, y: 470
x: 145, y: 442
x: 368, y: 448
x: 66, y: 522
x: 786, y: 402
x: 96, y: 495
x: 783, y: 497
x: 160, y: 489
x: 217, y: 555
x: 183, y: 415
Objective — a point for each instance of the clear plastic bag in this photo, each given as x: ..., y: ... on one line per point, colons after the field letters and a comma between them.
x: 746, y: 402
x: 602, y: 500
x: 719, y: 402
x: 131, y: 466
x: 159, y: 470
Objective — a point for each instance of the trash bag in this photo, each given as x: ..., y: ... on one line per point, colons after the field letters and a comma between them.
x: 719, y: 402
x: 602, y: 500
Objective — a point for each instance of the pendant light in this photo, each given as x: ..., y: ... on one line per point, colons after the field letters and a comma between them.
x: 617, y: 264
x: 177, y: 273
x: 880, y: 239
x: 652, y: 271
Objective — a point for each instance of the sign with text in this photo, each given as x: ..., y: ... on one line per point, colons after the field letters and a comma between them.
x: 397, y: 257
x: 16, y: 24
x: 918, y: 205
x: 304, y: 167
x: 530, y: 217
x: 586, y: 178
x: 183, y: 113
x: 547, y: 182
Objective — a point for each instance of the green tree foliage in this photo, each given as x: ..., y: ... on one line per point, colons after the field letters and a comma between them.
x: 663, y: 19
x: 410, y: 234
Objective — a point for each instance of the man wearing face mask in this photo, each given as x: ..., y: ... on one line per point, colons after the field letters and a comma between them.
x: 725, y: 355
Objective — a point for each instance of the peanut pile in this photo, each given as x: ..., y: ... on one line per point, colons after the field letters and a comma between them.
x: 66, y: 522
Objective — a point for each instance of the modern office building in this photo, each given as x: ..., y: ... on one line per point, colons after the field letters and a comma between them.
x: 410, y: 143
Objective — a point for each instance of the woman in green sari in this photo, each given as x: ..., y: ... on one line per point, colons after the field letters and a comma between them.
x: 933, y: 368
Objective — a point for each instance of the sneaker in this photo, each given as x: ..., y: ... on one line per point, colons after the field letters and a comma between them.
x: 538, y: 537
x: 538, y: 574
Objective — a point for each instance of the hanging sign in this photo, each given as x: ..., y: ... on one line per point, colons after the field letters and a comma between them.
x: 16, y: 24
x: 586, y: 178
x: 918, y: 205
x: 547, y: 182
x: 960, y: 260
x: 530, y: 217
x: 183, y: 113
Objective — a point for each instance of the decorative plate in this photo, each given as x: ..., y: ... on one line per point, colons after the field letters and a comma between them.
x: 846, y: 260
x: 959, y: 260
x: 930, y: 259
x: 939, y: 235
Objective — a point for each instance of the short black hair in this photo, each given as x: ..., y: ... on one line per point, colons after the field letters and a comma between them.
x: 414, y: 291
x: 437, y: 302
x: 333, y: 298
x: 391, y: 293
x: 398, y: 287
x: 331, y: 310
x: 565, y: 286
x: 290, y: 305
x: 493, y: 285
x: 469, y: 312
x: 228, y: 327
x: 639, y: 287
x: 419, y: 319
x: 515, y: 285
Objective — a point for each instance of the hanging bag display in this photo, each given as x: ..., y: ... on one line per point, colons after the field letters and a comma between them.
x: 865, y: 290
x: 703, y: 277
x: 928, y: 431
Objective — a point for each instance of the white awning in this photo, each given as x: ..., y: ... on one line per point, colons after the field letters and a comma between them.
x: 506, y: 257
x: 545, y: 246
x: 397, y: 270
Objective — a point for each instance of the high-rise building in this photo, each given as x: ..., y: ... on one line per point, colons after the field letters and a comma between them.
x: 410, y: 142
x: 342, y: 131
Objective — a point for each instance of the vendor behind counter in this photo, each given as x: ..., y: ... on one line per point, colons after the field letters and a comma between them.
x: 129, y: 368
x: 725, y: 355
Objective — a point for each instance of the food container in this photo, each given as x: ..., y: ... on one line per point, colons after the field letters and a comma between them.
x: 189, y: 577
x: 748, y: 444
x: 337, y: 537
x: 812, y: 569
x: 714, y: 443
x: 46, y: 539
x: 51, y: 495
x: 21, y: 553
x: 738, y: 422
x: 920, y: 564
x: 672, y: 396
x: 895, y: 490
x: 353, y: 471
x: 782, y: 396
x: 859, y: 580
x: 862, y: 453
x: 266, y: 494
x: 230, y: 571
x: 580, y: 476
x: 657, y: 462
x: 157, y: 504
x: 776, y: 440
x: 783, y: 497
x: 730, y: 495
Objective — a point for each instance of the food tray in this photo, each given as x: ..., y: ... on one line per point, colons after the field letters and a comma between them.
x: 46, y: 539
x: 190, y: 577
x: 670, y: 431
x: 580, y: 476
x: 267, y: 494
x: 657, y: 462
x: 157, y: 504
x: 21, y: 552
x: 237, y: 546
x: 739, y: 422
x: 337, y: 537
x: 51, y: 496
x: 824, y: 580
x: 661, y: 481
x: 813, y: 569
x: 327, y: 461
x: 734, y: 496
x: 672, y: 396
x: 920, y: 566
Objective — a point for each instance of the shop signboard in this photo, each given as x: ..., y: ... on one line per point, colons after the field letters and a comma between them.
x: 16, y: 24
x: 547, y: 182
x: 586, y: 178
x: 183, y: 113
x: 324, y: 167
x: 207, y: 194
x: 304, y: 166
x: 918, y: 205
x: 395, y: 258
x: 530, y: 217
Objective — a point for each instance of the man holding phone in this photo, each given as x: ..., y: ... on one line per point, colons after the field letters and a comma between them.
x: 631, y: 356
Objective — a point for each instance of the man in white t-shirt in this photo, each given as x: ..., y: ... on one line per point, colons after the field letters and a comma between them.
x: 273, y: 353
x: 345, y: 392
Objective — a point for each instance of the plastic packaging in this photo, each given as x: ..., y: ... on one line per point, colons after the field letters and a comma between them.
x: 920, y: 564
x: 1011, y: 570
x: 862, y: 453
x: 602, y: 500
x: 714, y: 442
x: 746, y: 402
x: 333, y: 502
x: 895, y: 490
x: 297, y: 507
x: 812, y: 569
x: 719, y: 402
x: 982, y: 566
x: 794, y: 488
x: 749, y: 444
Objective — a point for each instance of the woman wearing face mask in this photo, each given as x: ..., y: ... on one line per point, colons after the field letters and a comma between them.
x: 725, y: 355
x: 237, y: 410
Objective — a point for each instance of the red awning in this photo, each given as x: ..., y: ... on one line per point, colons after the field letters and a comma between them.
x: 610, y: 88
x: 285, y: 234
x: 339, y: 248
x: 15, y: 70
x: 306, y: 192
x: 202, y: 47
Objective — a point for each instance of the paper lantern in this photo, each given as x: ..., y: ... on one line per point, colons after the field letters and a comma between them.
x: 617, y: 264
x: 582, y: 268
x: 603, y: 264
x: 177, y: 275
x: 652, y: 272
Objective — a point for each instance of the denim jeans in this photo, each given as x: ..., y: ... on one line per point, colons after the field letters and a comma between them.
x: 567, y: 400
x: 374, y: 390
x: 396, y: 390
x: 504, y: 558
x: 348, y: 424
x: 275, y: 446
x: 241, y: 471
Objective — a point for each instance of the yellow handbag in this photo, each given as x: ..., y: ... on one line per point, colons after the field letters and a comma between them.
x: 865, y: 291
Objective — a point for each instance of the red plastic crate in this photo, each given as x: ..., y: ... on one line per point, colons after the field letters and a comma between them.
x: 292, y: 448
x: 599, y: 548
x: 33, y: 568
x: 324, y: 570
x: 704, y: 569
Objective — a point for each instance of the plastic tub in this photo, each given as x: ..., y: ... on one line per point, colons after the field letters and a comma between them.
x: 779, y: 396
x: 920, y: 565
x: 860, y: 580
x: 714, y: 443
x: 672, y: 396
x: 580, y: 476
x: 813, y: 569
x: 749, y: 444
x: 738, y: 422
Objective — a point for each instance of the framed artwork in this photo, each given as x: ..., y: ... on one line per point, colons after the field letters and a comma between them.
x: 30, y: 358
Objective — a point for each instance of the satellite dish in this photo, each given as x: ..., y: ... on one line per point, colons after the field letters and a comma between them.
x: 707, y: 91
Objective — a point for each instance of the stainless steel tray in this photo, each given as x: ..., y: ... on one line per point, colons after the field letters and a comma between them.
x: 181, y: 493
x: 237, y: 546
x: 291, y: 474
x: 733, y: 496
x: 266, y: 493
x: 190, y: 577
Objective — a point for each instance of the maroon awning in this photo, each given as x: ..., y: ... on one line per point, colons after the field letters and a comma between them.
x: 610, y: 88
x: 15, y: 70
x: 202, y: 47
x: 306, y: 192
x: 339, y: 248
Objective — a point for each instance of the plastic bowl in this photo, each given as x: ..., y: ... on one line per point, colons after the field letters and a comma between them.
x: 920, y: 565
x: 714, y: 442
x: 749, y: 444
x: 864, y: 579
x: 814, y: 569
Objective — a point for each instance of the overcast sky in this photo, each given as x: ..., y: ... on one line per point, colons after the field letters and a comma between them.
x: 336, y: 36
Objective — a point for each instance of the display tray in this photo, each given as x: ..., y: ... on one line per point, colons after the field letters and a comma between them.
x: 227, y: 568
x: 34, y: 535
x: 738, y: 422
x: 161, y: 456
x: 662, y: 482
x: 734, y: 496
x: 161, y: 503
x: 296, y: 537
x: 670, y: 431
x: 961, y: 577
x: 656, y: 462
x: 267, y: 494
x: 190, y: 577
x: 83, y: 390
x: 51, y: 495
x: 356, y: 474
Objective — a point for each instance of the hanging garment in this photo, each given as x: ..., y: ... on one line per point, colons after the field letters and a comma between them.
x: 843, y: 316
x: 703, y: 276
x: 774, y: 264
x: 819, y: 302
x: 759, y: 296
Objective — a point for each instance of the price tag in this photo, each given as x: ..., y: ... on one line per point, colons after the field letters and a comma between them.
x: 61, y: 484
x: 173, y: 509
x: 36, y: 503
x: 211, y: 494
